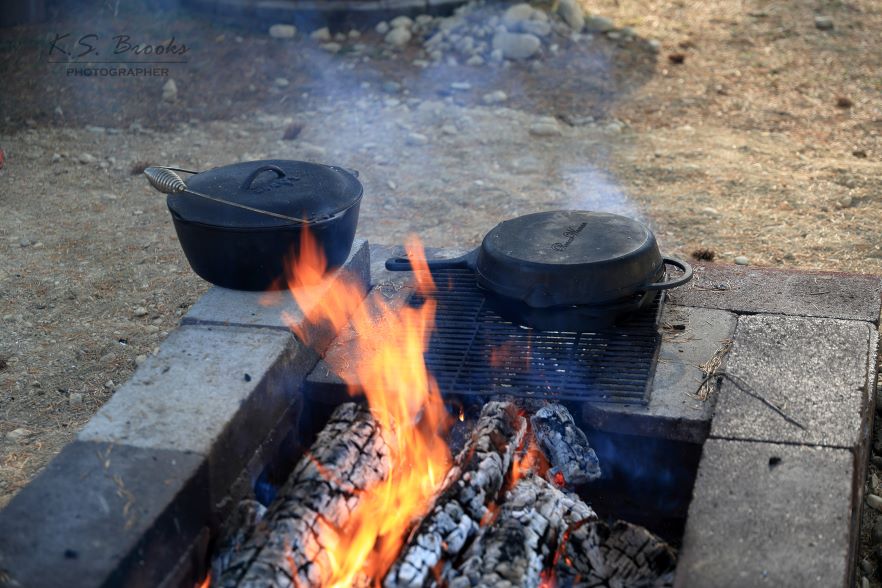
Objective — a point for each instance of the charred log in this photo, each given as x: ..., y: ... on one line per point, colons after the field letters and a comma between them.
x: 515, y: 548
x: 595, y: 554
x: 471, y: 486
x: 349, y: 455
x: 244, y: 519
x: 572, y: 459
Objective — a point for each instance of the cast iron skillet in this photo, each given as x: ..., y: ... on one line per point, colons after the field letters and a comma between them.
x: 240, y: 224
x: 596, y: 263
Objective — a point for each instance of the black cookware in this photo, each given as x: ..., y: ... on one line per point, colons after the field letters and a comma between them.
x: 561, y: 269
x: 239, y: 224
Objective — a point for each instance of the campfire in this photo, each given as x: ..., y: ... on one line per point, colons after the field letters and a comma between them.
x: 379, y: 499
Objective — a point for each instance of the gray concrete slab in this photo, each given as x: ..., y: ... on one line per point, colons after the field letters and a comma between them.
x: 690, y: 337
x: 103, y: 515
x: 767, y: 514
x: 207, y: 391
x: 816, y: 370
x: 221, y: 306
x: 801, y: 293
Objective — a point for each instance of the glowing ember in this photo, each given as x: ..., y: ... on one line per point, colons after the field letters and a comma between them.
x: 390, y: 371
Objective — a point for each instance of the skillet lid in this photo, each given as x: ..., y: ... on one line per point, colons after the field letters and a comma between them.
x: 299, y: 189
x: 568, y: 257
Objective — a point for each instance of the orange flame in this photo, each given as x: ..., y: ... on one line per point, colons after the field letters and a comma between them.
x: 387, y: 356
x: 206, y: 582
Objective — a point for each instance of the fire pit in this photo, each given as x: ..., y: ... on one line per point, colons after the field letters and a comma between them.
x: 233, y: 400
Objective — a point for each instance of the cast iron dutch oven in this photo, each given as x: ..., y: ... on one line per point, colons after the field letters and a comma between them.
x: 563, y: 265
x: 238, y: 224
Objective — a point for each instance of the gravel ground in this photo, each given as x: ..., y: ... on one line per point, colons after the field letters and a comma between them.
x: 740, y: 129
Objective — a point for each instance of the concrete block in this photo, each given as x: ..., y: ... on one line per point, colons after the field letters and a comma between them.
x: 800, y: 293
x: 767, y: 514
x: 690, y: 337
x: 817, y: 370
x: 207, y: 392
x: 103, y: 514
x: 221, y: 306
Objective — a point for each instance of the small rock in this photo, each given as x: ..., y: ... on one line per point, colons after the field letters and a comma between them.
x: 282, y: 31
x: 494, y: 97
x: 867, y: 566
x: 140, y: 359
x: 449, y: 130
x: 824, y: 23
x: 331, y: 47
x: 859, y: 153
x: 398, y: 37
x: 571, y: 12
x: 516, y: 45
x: 323, y: 34
x: 874, y: 502
x: 140, y: 311
x: 86, y: 158
x: 598, y: 24
x: 401, y: 22
x: 170, y: 91
x: 109, y: 384
x: 382, y: 27
x: 75, y: 399
x: 654, y: 45
x: 416, y: 139
x: 461, y: 86
x: 475, y: 60
x: 547, y: 128
x: 56, y: 157
x: 281, y: 82
x: 339, y: 37
x: 614, y: 35
x: 424, y: 19
x: 846, y: 202
x: 18, y: 435
x: 354, y: 34
x: 741, y: 260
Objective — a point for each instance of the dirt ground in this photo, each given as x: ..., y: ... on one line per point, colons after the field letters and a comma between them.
x: 750, y: 132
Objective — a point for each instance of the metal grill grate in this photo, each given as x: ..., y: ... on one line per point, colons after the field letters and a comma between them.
x: 473, y: 351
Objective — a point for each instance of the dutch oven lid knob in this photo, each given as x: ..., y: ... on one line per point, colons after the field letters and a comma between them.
x: 246, y: 185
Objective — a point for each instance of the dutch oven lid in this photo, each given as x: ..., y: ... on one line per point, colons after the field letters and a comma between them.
x: 298, y: 189
x: 567, y: 257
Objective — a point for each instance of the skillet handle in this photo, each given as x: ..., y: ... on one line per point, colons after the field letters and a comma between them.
x: 687, y: 275
x: 402, y: 264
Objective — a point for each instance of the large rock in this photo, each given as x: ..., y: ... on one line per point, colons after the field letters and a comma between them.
x: 599, y: 24
x: 516, y: 45
x: 572, y: 13
x: 516, y: 14
x: 401, y: 22
x: 399, y: 37
x: 282, y: 31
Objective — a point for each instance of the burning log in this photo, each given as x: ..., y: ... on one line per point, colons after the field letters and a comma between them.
x: 565, y: 445
x: 595, y: 554
x: 472, y: 485
x: 349, y: 455
x: 515, y: 548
